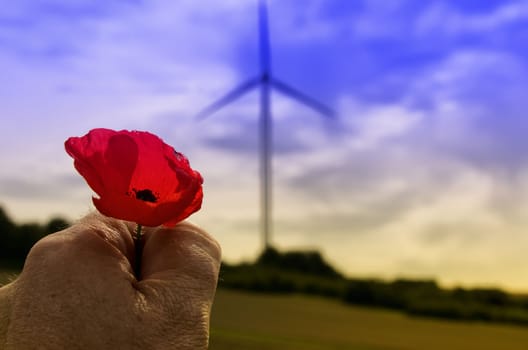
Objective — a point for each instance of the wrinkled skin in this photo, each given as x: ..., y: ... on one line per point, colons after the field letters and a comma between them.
x: 78, y: 290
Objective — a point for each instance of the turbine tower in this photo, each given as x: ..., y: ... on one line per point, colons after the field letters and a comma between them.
x: 265, y: 81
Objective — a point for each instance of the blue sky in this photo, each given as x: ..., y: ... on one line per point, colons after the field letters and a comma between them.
x: 423, y: 174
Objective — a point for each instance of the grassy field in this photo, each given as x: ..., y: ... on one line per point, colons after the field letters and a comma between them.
x: 264, y: 322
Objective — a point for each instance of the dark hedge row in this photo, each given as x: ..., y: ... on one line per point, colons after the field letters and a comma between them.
x: 17, y: 240
x: 274, y: 272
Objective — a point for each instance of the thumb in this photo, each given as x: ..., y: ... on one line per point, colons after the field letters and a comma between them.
x: 180, y: 258
x: 180, y: 270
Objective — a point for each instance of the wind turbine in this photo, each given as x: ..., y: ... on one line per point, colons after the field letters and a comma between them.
x: 265, y: 81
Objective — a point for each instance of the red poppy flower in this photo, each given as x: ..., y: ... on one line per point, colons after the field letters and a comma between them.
x: 137, y: 176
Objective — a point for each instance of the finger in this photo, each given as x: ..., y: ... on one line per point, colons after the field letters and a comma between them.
x: 5, y: 310
x: 180, y: 271
x: 116, y: 233
x: 181, y: 257
x: 95, y: 244
x: 182, y: 250
x: 75, y: 282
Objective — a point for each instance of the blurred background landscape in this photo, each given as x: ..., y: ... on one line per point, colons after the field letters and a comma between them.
x: 412, y: 203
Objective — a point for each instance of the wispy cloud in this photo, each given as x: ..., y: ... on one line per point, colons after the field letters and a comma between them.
x: 444, y: 18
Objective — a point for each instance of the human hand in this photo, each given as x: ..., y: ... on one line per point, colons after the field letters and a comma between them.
x: 78, y: 290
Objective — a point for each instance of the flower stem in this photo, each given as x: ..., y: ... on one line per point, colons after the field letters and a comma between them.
x: 138, y: 244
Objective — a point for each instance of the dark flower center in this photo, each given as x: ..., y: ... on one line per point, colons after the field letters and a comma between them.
x: 145, y: 195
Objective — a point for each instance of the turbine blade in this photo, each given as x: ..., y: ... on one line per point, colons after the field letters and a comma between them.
x: 228, y: 98
x: 299, y: 96
x: 264, y: 41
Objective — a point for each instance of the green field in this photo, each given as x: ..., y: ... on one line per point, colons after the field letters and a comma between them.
x: 257, y: 322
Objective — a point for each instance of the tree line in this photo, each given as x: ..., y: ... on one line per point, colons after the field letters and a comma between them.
x: 17, y: 239
x: 308, y: 273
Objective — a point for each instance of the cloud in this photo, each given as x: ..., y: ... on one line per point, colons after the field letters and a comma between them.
x: 475, y: 108
x: 31, y: 188
x: 433, y: 229
x: 444, y: 18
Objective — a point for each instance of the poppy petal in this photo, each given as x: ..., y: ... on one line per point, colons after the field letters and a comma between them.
x: 121, y: 158
x: 137, y: 176
x: 191, y: 208
x: 83, y: 166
